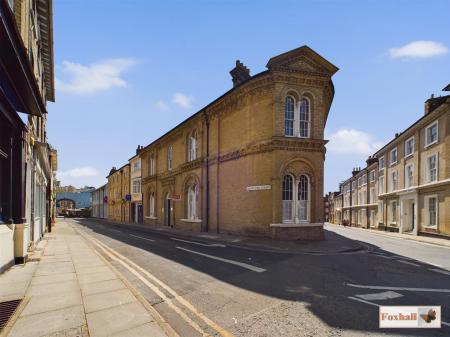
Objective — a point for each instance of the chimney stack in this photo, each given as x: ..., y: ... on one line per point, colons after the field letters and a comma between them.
x: 239, y: 74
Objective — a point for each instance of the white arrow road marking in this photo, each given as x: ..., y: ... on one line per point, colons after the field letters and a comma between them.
x: 140, y: 237
x: 201, y: 244
x: 236, y: 263
x: 441, y: 271
x: 380, y: 296
x: 363, y: 301
x: 410, y: 263
x: 399, y: 288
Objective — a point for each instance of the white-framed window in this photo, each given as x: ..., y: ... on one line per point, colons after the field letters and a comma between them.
x: 393, y: 157
x: 409, y: 175
x: 192, y: 202
x: 372, y: 195
x: 393, y: 180
x: 295, y: 198
x: 409, y: 147
x: 380, y: 211
x: 372, y: 176
x: 359, y: 181
x: 431, y: 206
x: 358, y: 217
x: 287, y: 197
x: 381, y: 185
x: 304, y: 118
x: 152, y: 204
x: 364, y: 179
x: 394, y: 211
x: 303, y: 198
x: 170, y: 157
x: 431, y: 134
x: 192, y: 146
x: 151, y: 165
x: 381, y: 163
x: 353, y: 184
x: 432, y: 168
x: 136, y: 186
x: 136, y: 166
x: 289, y: 116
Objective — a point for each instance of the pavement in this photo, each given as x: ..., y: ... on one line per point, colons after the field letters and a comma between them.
x: 71, y: 290
x: 331, y: 244
x: 445, y: 242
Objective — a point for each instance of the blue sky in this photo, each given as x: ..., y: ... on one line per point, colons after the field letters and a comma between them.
x: 128, y: 71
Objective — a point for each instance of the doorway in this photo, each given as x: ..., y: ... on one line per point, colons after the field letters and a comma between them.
x: 167, y: 210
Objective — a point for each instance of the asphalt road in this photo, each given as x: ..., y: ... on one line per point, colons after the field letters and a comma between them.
x: 210, y: 289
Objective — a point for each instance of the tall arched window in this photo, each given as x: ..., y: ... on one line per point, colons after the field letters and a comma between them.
x: 192, y: 202
x: 303, y: 198
x: 192, y: 146
x: 152, y: 204
x: 169, y: 157
x: 289, y: 116
x: 304, y: 118
x: 287, y: 198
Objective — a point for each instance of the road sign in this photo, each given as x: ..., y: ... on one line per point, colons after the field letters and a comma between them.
x: 259, y: 187
x: 175, y: 197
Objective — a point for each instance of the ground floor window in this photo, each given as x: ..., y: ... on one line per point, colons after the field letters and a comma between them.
x: 152, y: 204
x: 192, y: 202
x: 296, y: 199
x: 431, y: 206
x: 394, y: 211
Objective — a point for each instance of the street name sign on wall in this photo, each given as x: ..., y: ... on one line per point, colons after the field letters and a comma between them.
x: 259, y: 187
x: 175, y: 197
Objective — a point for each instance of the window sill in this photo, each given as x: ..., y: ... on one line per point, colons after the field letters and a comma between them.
x: 428, y: 145
x: 409, y: 155
x: 151, y: 217
x: 192, y: 220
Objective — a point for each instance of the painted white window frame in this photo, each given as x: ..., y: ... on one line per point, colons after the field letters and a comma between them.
x: 170, y: 157
x: 393, y: 212
x: 372, y: 195
x: 427, y: 143
x: 290, y: 120
x: 427, y: 211
x: 307, y: 120
x: 393, y: 182
x: 381, y: 163
x: 381, y: 185
x: 152, y: 204
x: 428, y: 169
x: 152, y: 165
x: 293, y: 206
x: 391, y: 162
x: 192, y: 202
x: 372, y: 176
x: 407, y: 176
x: 411, y: 139
x: 364, y: 180
x: 136, y: 185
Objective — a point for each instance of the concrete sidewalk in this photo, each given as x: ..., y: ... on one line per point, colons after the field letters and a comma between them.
x: 333, y: 243
x: 419, y: 238
x: 69, y: 290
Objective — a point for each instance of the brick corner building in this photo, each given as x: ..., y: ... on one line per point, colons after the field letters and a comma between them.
x: 250, y: 162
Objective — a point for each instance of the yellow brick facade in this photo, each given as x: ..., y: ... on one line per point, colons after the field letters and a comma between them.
x: 242, y: 154
x: 118, y: 189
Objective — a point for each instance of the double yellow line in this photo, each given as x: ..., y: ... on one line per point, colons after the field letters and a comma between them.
x: 144, y: 276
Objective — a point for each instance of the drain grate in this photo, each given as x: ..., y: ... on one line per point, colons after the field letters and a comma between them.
x: 7, y: 309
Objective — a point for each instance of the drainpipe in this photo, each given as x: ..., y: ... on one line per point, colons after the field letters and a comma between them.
x: 207, y: 174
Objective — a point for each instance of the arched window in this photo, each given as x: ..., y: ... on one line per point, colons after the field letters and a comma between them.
x: 303, y: 198
x: 192, y: 146
x: 151, y: 165
x: 169, y: 157
x: 304, y: 118
x: 287, y: 198
x: 152, y: 204
x: 289, y: 116
x: 192, y: 202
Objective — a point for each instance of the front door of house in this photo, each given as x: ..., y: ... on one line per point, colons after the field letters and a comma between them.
x: 167, y: 210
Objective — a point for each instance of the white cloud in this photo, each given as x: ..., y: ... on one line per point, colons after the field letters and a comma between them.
x: 419, y: 49
x: 353, y: 141
x: 100, y: 76
x: 182, y: 100
x: 161, y: 105
x: 78, y: 172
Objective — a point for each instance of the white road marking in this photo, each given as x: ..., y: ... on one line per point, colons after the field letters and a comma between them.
x: 445, y: 323
x: 236, y: 263
x: 440, y: 271
x: 363, y: 301
x: 200, y: 243
x: 436, y: 265
x: 410, y: 263
x: 114, y: 230
x: 399, y: 288
x: 380, y: 296
x: 140, y: 237
x: 136, y: 270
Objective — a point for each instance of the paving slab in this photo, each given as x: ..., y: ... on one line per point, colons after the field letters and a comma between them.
x: 48, y: 322
x: 117, y: 319
x: 44, y: 303
x: 55, y: 288
x: 101, y: 287
x: 106, y: 300
x: 95, y: 277
x: 149, y: 330
x: 46, y: 279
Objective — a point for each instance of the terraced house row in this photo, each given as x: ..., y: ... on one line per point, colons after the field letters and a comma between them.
x: 405, y: 186
x: 250, y: 162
